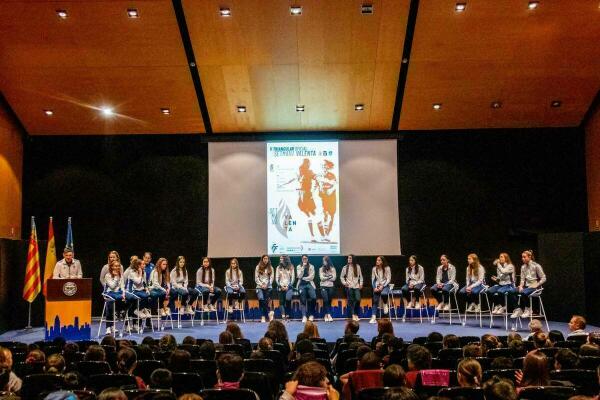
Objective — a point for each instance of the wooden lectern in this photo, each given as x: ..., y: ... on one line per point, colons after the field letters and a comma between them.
x: 69, y: 309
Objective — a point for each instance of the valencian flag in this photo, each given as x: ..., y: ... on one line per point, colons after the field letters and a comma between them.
x: 50, y: 256
x: 69, y: 244
x: 32, y: 273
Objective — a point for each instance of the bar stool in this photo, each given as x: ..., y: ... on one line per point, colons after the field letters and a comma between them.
x: 420, y: 296
x: 542, y: 312
x: 479, y: 314
x: 390, y: 296
x: 178, y: 310
x: 504, y: 315
x: 141, y: 321
x: 202, y: 311
x: 108, y: 301
x: 295, y: 300
x: 451, y: 309
x: 392, y: 300
x: 240, y: 310
x: 159, y: 325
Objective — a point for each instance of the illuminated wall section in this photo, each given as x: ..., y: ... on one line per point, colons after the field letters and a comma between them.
x: 11, y: 171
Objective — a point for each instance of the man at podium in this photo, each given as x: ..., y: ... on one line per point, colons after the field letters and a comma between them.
x: 68, y: 267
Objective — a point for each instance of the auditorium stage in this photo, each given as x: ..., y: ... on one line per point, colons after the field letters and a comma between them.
x: 330, y: 331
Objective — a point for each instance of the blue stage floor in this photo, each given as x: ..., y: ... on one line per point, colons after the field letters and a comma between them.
x: 330, y: 331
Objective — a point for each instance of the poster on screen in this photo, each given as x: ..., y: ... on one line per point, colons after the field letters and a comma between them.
x: 303, y: 214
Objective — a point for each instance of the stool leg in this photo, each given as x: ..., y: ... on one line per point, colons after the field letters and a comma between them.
x: 102, y: 319
x: 543, y: 312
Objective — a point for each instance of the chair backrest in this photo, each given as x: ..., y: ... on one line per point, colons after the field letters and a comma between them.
x: 103, y: 381
x: 549, y: 351
x: 569, y: 344
x: 420, y: 340
x: 310, y: 393
x: 193, y: 349
x: 340, y: 361
x: 234, y: 348
x: 40, y: 384
x: 85, y: 394
x: 434, y: 347
x: 547, y: 393
x: 502, y: 352
x: 373, y: 393
x: 578, y: 338
x: 24, y: 369
x: 277, y: 358
x: 321, y: 353
x: 147, y: 394
x: 465, y: 340
x: 462, y: 393
x: 247, y: 346
x: 585, y: 381
x: 282, y: 348
x: 186, y: 382
x: 259, y: 382
x: 502, y: 373
x: 88, y: 368
x: 589, y: 362
x: 450, y: 354
x: 145, y: 368
x: 363, y: 379
x: 235, y: 394
x: 351, y: 364
x: 318, y: 340
x: 429, y: 382
x: 207, y: 369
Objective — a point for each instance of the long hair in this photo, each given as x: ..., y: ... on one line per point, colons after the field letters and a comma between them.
x: 163, y: 276
x: 474, y: 268
x: 209, y: 269
x: 506, y: 258
x: 416, y: 267
x: 470, y: 370
x: 530, y: 254
x: 116, y: 264
x: 383, y: 263
x: 116, y: 254
x: 311, y: 329
x: 178, y: 269
x: 262, y: 267
x: 328, y: 263
x: 535, y: 369
x: 354, y: 267
x: 236, y: 269
x: 135, y: 265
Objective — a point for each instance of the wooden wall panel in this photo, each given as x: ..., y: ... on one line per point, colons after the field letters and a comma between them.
x: 592, y: 148
x: 11, y: 173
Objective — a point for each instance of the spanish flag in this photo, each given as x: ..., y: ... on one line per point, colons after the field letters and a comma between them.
x: 32, y: 273
x: 50, y: 256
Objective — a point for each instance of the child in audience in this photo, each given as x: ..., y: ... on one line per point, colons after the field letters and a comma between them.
x: 230, y: 370
x: 309, y: 381
x: 419, y: 358
x: 126, y: 363
x: 535, y: 371
x: 394, y: 375
x: 55, y: 364
x: 161, y: 378
x: 565, y: 359
x: 265, y: 344
x: 469, y: 373
x: 499, y: 389
x: 6, y: 363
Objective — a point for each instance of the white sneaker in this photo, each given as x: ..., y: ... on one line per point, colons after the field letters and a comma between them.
x: 447, y: 307
x: 386, y: 309
x: 409, y: 306
x: 108, y: 331
x: 162, y: 312
x: 304, y: 319
x: 355, y: 318
x: 263, y: 320
x: 516, y: 313
x: 495, y: 309
x: 272, y: 315
x: 477, y: 308
x: 189, y: 310
x: 501, y: 310
x: 167, y: 311
x: 526, y: 313
x: 373, y: 320
x: 330, y: 317
x: 311, y: 318
x: 440, y: 307
x: 230, y: 309
x: 137, y: 313
x: 211, y: 307
x: 236, y: 305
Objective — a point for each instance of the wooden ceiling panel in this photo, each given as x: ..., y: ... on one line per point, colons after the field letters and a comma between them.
x: 502, y: 51
x: 75, y: 95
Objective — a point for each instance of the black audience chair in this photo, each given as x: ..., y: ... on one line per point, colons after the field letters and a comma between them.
x: 502, y: 373
x: 340, y: 361
x: 24, y: 369
x: 246, y: 345
x: 518, y: 362
x: 350, y: 365
x: 586, y: 382
x: 145, y: 368
x: 39, y: 385
x: 282, y: 348
x: 589, y: 362
x: 375, y: 393
x: 434, y: 347
x: 326, y: 363
x: 89, y: 368
x: 465, y: 340
x: 450, y: 354
x: 237, y: 394
x: 427, y: 391
x: 207, y: 369
x: 267, y: 367
x: 549, y: 351
x: 421, y: 340
x: 233, y: 348
x: 84, y: 344
x: 318, y: 340
x: 193, y: 349
x: 502, y: 352
x: 568, y: 344
x: 260, y: 384
x: 462, y: 393
x: 321, y: 353
x: 578, y: 338
x: 85, y: 394
x: 148, y: 394
x: 547, y: 393
x: 277, y: 358
x: 98, y: 383
x: 163, y: 356
x: 49, y: 350
x: 186, y: 382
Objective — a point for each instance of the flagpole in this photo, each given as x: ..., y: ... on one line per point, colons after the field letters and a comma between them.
x: 28, y: 327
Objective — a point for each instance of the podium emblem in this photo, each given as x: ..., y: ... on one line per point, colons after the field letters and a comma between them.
x: 70, y: 288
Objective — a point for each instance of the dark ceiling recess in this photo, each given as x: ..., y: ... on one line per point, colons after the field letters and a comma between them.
x: 590, y: 111
x: 189, y: 53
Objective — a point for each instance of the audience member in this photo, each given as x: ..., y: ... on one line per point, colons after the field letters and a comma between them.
x: 6, y: 363
x: 55, y: 364
x: 540, y: 340
x: 469, y: 373
x: 35, y: 356
x: 565, y: 359
x: 501, y: 363
x: 161, y: 378
x: 400, y: 393
x: 499, y: 389
x: 419, y: 358
x: 207, y: 350
x: 589, y: 350
x: 577, y: 326
x: 189, y: 340
x: 555, y: 336
x: 310, y: 379
x: 472, y: 350
x: 435, y: 337
x: 230, y: 370
x: 112, y: 394
x: 126, y: 363
x: 95, y: 353
x: 451, y: 342
x: 535, y: 326
x: 394, y: 375
x: 488, y: 342
x: 167, y: 343
x: 535, y: 371
x: 235, y: 330
x: 311, y: 330
x: 265, y: 344
x: 180, y: 361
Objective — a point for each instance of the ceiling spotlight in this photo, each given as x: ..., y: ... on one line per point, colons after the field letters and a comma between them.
x: 556, y: 103
x: 437, y: 106
x: 296, y: 10
x: 49, y: 112
x: 225, y: 12
x: 300, y: 107
x: 496, y: 104
x: 366, y: 9
x: 460, y: 7
x: 133, y: 13
x: 62, y: 14
x: 165, y: 111
x: 359, y: 107
x: 107, y: 111
x: 532, y: 5
x: 241, y: 109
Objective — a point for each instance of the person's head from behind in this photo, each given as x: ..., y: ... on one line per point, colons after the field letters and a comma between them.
x: 189, y: 340
x: 55, y: 364
x: 351, y: 328
x: 35, y: 356
x: 230, y: 368
x: 311, y: 374
x: 257, y: 355
x: 126, y: 360
x: 235, y: 330
x: 400, y: 393
x: 369, y: 360
x: 469, y: 373
x: 302, y: 336
x: 112, y: 394
x: 488, y: 342
x: 225, y: 338
x: 384, y: 326
x: 167, y: 342
x: 577, y: 323
x: 540, y: 340
x: 435, y: 337
x: 472, y: 350
x: 451, y: 342
x: 418, y: 357
x: 535, y: 325
x: 311, y: 329
x: 180, y: 361
x: 395, y: 344
x: 108, y: 341
x: 70, y: 350
x: 304, y: 347
x: 499, y: 389
x: 535, y: 369
x: 394, y: 375
x: 589, y: 350
x: 517, y: 348
x: 72, y: 381
x: 362, y: 349
x: 144, y: 352
x: 513, y: 336
x: 207, y: 350
x: 6, y: 360
x: 265, y: 344
x: 565, y: 359
x: 161, y: 378
x: 555, y: 336
x: 501, y: 363
x: 594, y: 338
x: 95, y: 353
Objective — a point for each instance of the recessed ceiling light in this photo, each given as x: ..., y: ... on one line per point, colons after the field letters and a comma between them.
x: 300, y: 107
x: 241, y: 109
x: 49, y: 112
x: 359, y: 107
x: 296, y: 10
x: 133, y: 13
x: 460, y: 7
x: 437, y: 106
x: 165, y: 111
x: 225, y: 12
x: 496, y: 104
x: 107, y: 111
x: 532, y: 5
x: 62, y: 14
x: 366, y: 9
x: 556, y: 103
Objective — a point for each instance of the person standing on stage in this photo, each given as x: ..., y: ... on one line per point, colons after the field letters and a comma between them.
x: 148, y: 266
x: 234, y: 284
x: 179, y: 288
x: 205, y: 285
x: 112, y: 256
x: 532, y: 278
x: 284, y: 278
x: 327, y: 277
x: 160, y: 285
x: 264, y: 276
x: 306, y: 287
x: 136, y: 284
x: 445, y: 281
x: 415, y: 280
x: 68, y: 267
x: 352, y: 280
x: 505, y: 282
x: 115, y: 289
x: 475, y: 283
x: 381, y: 276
